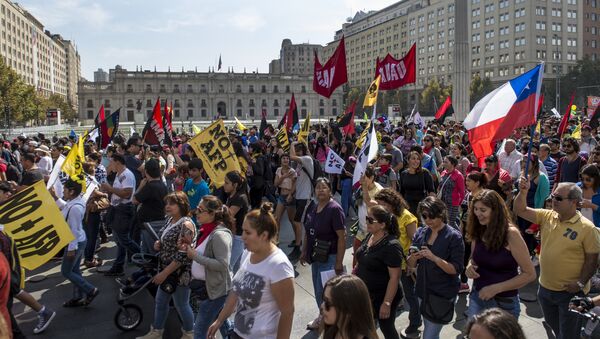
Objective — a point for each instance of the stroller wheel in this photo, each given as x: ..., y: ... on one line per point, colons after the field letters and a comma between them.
x: 128, y: 317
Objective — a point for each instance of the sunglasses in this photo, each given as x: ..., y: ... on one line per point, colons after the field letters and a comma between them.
x: 327, y: 305
x: 427, y: 140
x: 558, y: 198
x: 427, y: 216
x: 370, y: 220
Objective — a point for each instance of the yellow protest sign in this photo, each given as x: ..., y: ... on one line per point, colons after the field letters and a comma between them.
x: 36, y: 225
x: 363, y: 136
x: 239, y: 125
x: 282, y: 138
x: 371, y: 96
x: 303, y: 134
x: 196, y: 129
x: 213, y: 147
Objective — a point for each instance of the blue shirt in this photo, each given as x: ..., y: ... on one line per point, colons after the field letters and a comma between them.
x: 449, y: 246
x: 551, y: 167
x: 195, y: 192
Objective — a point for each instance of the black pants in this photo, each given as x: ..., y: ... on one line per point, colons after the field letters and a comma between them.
x: 387, y: 326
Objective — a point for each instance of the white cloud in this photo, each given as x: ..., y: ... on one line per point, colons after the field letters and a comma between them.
x: 247, y: 20
x: 61, y: 13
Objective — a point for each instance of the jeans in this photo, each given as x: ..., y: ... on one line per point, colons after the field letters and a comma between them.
x: 555, y: 306
x: 414, y: 315
x: 208, y: 311
x: 121, y: 226
x: 91, y: 227
x: 70, y: 270
x: 237, y: 248
x: 317, y: 268
x: 508, y: 304
x: 181, y: 299
x: 346, y: 195
x: 148, y: 239
x: 431, y: 330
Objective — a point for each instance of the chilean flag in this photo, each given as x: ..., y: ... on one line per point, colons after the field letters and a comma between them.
x: 498, y: 114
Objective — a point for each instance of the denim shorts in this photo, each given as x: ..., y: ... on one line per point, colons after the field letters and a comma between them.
x: 508, y: 304
x: 282, y: 199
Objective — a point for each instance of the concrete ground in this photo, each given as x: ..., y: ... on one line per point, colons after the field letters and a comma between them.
x: 97, y: 320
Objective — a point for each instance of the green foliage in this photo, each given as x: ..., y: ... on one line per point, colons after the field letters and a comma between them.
x: 582, y: 79
x: 434, y: 92
x: 26, y: 105
x: 479, y: 88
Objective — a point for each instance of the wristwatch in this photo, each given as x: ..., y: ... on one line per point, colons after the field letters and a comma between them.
x: 581, y: 285
x: 387, y: 303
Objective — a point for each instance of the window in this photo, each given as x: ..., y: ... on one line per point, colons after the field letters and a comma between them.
x: 287, y: 89
x: 519, y: 13
x: 176, y: 113
x: 148, y: 88
x: 572, y: 28
x: 276, y: 112
x: 190, y: 113
x: 90, y: 103
x: 190, y: 103
x: 263, y: 89
x: 162, y: 89
x: 203, y: 103
x: 129, y: 102
x: 556, y: 27
x: 238, y: 113
x: 238, y: 88
x: 541, y: 40
x: 90, y: 114
x: 275, y: 89
x: 149, y: 103
x: 238, y: 103
x: 129, y: 88
x: 203, y: 113
x: 303, y: 90
x: 541, y: 11
x: 175, y: 88
x: 251, y: 89
x: 540, y: 25
x: 106, y: 103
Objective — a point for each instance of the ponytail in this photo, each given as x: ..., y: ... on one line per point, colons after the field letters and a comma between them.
x: 389, y: 219
x: 262, y: 220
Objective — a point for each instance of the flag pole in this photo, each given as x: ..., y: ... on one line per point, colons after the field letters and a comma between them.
x: 536, y: 115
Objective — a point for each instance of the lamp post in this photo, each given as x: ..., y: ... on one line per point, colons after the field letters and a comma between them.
x: 558, y: 73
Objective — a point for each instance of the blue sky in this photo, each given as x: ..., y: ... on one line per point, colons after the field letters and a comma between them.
x: 191, y: 33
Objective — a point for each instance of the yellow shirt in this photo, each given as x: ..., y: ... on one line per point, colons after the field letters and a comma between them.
x: 564, y: 245
x: 404, y: 219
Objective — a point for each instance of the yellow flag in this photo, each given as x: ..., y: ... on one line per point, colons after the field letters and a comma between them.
x: 371, y: 96
x: 303, y: 134
x: 196, y: 129
x: 213, y: 147
x: 73, y: 165
x: 366, y: 117
x: 36, y: 225
x: 577, y: 132
x: 538, y: 128
x: 239, y: 125
x: 283, y: 139
x: 363, y: 136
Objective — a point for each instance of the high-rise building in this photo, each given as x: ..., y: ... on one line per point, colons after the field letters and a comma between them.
x: 295, y: 58
x: 504, y: 38
x: 100, y: 75
x: 42, y: 59
x: 591, y: 28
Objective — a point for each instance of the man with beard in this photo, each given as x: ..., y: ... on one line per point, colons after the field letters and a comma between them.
x: 569, y: 165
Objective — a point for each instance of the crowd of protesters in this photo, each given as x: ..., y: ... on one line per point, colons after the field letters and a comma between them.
x: 427, y: 219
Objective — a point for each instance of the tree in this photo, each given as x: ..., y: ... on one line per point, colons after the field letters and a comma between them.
x: 581, y: 79
x: 433, y: 95
x: 479, y: 88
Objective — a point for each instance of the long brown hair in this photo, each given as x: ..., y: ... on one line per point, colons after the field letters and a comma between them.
x: 494, y: 235
x: 350, y: 297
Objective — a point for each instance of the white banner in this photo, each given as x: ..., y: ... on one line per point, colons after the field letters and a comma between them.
x: 55, y: 171
x: 334, y: 163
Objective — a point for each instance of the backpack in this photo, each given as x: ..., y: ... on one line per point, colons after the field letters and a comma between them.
x: 317, y: 172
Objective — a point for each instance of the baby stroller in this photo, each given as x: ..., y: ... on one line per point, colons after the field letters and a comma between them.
x: 129, y: 316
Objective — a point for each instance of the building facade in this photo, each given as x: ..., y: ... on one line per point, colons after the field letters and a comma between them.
x: 591, y: 28
x: 504, y: 37
x: 295, y: 58
x: 100, y: 75
x: 42, y: 59
x: 200, y: 96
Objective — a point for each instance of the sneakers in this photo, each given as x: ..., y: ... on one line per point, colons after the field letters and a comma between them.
x: 44, y: 319
x: 91, y: 296
x: 115, y: 272
x: 295, y: 254
x: 464, y: 288
x: 153, y: 334
x: 410, y: 333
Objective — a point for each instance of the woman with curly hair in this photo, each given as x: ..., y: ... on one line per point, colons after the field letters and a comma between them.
x: 393, y: 202
x: 500, y: 262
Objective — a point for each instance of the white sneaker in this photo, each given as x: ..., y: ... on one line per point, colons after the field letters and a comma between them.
x: 153, y: 334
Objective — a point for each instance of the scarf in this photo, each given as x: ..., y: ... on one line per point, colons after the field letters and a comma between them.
x: 205, y: 231
x: 426, y: 150
x: 383, y: 169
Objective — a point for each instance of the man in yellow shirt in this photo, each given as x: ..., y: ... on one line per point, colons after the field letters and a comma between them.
x: 569, y: 254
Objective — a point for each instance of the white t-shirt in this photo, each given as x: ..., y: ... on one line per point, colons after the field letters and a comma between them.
x: 45, y: 165
x: 257, y: 313
x: 303, y: 183
x: 198, y: 270
x: 124, y: 180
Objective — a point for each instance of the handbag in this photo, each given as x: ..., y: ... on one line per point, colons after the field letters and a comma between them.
x: 434, y: 307
x: 320, y: 251
x: 170, y: 284
x: 198, y: 288
x: 97, y: 204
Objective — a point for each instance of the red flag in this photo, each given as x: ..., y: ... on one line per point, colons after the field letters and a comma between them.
x: 108, y: 129
x: 397, y: 73
x: 291, y: 119
x: 333, y: 74
x: 347, y: 121
x: 445, y: 111
x: 565, y: 120
x: 154, y: 133
x: 100, y: 116
x: 168, y: 115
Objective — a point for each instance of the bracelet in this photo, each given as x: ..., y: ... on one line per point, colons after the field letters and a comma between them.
x: 580, y: 284
x: 387, y: 303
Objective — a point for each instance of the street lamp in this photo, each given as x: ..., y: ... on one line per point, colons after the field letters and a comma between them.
x: 558, y: 73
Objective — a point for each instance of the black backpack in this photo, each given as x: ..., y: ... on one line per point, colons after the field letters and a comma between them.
x: 317, y: 172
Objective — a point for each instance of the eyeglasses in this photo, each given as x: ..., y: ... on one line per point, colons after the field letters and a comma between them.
x: 202, y: 210
x: 370, y: 220
x: 558, y: 197
x: 427, y: 216
x: 427, y: 140
x: 327, y: 304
